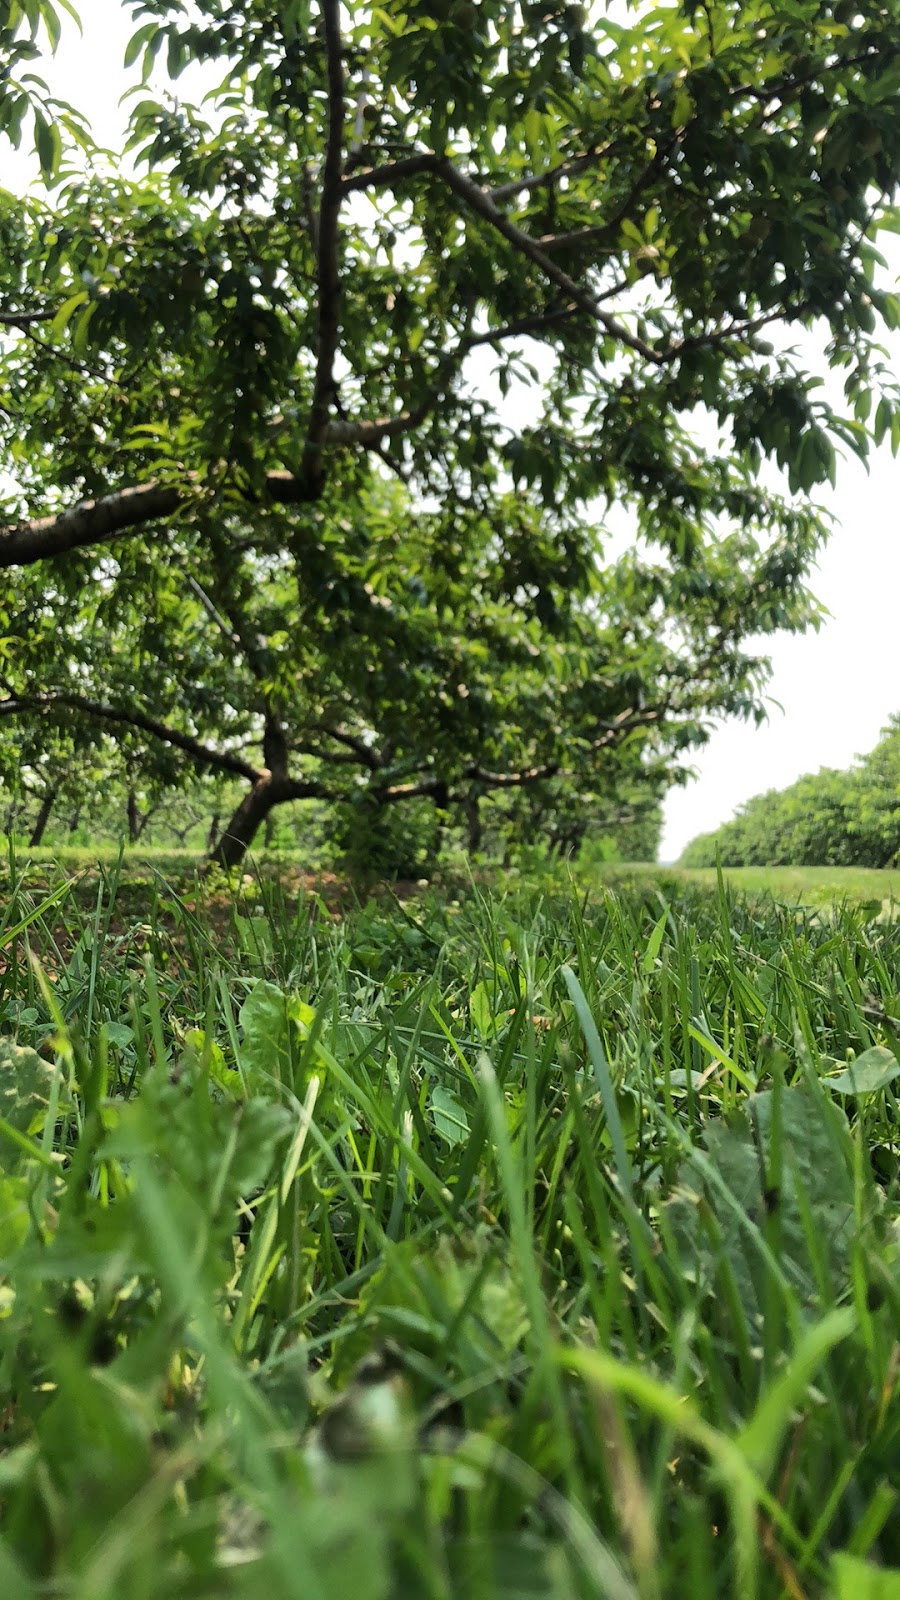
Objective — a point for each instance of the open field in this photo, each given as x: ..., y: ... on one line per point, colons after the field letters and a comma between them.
x: 792, y: 885
x: 808, y: 885
x: 527, y: 1244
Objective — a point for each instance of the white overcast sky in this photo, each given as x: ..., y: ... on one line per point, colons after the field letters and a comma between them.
x: 831, y: 692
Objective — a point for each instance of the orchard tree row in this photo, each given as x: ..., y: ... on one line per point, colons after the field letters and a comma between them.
x: 315, y: 424
x: 67, y: 787
x: 829, y: 818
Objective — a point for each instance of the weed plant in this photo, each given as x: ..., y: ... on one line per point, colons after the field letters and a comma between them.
x: 535, y: 1245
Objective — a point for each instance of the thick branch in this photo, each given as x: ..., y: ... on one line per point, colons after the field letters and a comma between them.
x: 474, y: 774
x: 371, y: 434
x: 522, y: 326
x: 486, y: 779
x: 91, y: 522
x: 329, y: 278
x: 391, y: 172
x: 203, y: 754
x: 98, y: 521
x: 511, y: 780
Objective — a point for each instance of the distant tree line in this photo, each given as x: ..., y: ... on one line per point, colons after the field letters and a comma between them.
x: 828, y: 818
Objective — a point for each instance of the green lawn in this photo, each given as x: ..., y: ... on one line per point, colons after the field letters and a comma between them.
x: 541, y: 1243
x: 808, y: 885
x: 793, y: 885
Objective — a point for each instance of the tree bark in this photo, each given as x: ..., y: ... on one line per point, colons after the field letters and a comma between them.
x: 134, y: 818
x: 244, y: 824
x: 213, y: 832
x: 472, y: 814
x: 43, y: 817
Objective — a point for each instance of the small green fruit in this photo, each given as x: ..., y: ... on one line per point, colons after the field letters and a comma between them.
x: 758, y: 229
x: 464, y: 15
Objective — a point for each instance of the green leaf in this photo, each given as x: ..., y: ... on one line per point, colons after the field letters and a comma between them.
x: 761, y: 1440
x: 137, y: 42
x: 861, y: 1580
x: 808, y: 1173
x: 262, y: 1127
x: 48, y: 144
x: 120, y: 1035
x: 871, y: 1071
x: 450, y: 1117
x: 654, y: 943
x: 15, y: 1217
x: 481, y: 1011
x: 66, y: 312
x: 266, y: 1034
x: 26, y: 1080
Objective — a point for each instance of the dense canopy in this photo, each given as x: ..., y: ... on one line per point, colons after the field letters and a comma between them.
x: 315, y: 422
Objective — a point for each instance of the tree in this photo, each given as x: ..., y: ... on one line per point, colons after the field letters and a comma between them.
x: 270, y: 517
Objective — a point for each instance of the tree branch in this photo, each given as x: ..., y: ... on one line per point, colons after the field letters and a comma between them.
x: 473, y: 774
x: 94, y: 522
x: 393, y: 172
x: 366, y: 754
x: 540, y: 180
x: 483, y: 203
x: 24, y: 319
x: 203, y: 754
x: 209, y: 605
x: 610, y: 228
x: 521, y: 327
x: 89, y: 523
x: 328, y: 276
x: 371, y: 434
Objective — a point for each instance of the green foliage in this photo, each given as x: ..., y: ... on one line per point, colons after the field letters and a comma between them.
x: 788, y: 1163
x: 24, y: 97
x: 313, y: 425
x: 834, y: 818
x: 539, y: 1253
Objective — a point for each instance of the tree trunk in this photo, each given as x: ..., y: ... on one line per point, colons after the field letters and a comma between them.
x: 43, y: 817
x: 12, y: 811
x: 134, y: 818
x: 213, y: 833
x: 244, y: 824
x: 472, y: 814
x: 271, y: 789
x: 74, y: 819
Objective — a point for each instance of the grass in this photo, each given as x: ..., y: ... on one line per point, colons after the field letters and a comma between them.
x: 812, y: 885
x: 533, y: 1244
x: 793, y: 885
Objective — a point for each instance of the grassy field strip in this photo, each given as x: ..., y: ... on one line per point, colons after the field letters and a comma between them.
x: 492, y: 1244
